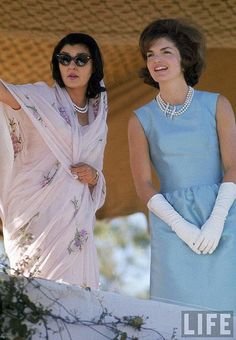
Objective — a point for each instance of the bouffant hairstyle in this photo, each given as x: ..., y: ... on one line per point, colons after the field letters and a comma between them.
x: 188, y: 39
x: 94, y: 87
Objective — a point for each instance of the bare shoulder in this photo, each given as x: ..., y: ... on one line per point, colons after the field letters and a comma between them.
x: 133, y: 119
x: 224, y: 110
x: 134, y: 123
x: 136, y: 132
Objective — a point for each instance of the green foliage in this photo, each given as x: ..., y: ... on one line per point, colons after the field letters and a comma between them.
x: 20, y: 315
x: 17, y: 309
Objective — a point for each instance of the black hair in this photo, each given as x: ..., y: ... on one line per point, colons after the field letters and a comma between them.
x: 94, y: 87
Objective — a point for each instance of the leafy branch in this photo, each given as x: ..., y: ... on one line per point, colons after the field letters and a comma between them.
x: 21, y: 317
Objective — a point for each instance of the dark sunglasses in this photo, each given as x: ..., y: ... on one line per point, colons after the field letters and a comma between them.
x: 80, y: 59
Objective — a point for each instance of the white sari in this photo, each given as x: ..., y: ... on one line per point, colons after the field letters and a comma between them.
x: 48, y: 216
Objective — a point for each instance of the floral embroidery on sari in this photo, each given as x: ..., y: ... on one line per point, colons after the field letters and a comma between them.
x: 35, y: 112
x: 105, y: 104
x: 64, y: 115
x: 51, y: 174
x: 26, y: 237
x: 27, y: 262
x: 96, y: 105
x: 16, y: 140
x: 104, y: 188
x: 76, y: 206
x: 80, y: 238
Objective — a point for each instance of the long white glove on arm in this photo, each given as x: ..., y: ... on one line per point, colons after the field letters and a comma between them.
x: 186, y: 231
x: 212, y: 229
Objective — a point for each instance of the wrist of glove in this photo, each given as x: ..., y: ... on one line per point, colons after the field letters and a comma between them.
x: 212, y: 230
x: 186, y: 231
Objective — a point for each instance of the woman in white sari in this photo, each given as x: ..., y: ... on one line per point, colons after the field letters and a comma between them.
x: 52, y: 142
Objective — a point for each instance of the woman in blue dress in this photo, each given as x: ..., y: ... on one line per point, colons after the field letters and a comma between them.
x: 189, y: 137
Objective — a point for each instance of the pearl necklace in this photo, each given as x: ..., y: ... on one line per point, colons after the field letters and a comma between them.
x: 170, y: 110
x: 79, y: 109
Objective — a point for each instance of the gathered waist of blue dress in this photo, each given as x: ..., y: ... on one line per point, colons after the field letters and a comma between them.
x: 195, y: 187
x: 194, y: 203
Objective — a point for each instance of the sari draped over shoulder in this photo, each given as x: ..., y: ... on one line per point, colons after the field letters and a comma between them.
x: 48, y: 216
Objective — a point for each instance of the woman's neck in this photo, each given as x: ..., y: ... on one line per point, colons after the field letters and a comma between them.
x: 78, y: 96
x: 174, y: 93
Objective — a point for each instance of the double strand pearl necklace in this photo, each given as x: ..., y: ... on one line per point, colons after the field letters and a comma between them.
x: 79, y: 109
x: 171, y: 110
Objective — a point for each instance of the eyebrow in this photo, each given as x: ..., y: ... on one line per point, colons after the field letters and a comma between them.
x: 163, y: 48
x: 62, y: 52
x: 67, y: 53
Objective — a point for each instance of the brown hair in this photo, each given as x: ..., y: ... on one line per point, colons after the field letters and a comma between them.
x: 187, y: 38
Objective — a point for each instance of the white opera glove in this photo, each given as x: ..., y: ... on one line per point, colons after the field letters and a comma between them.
x: 212, y: 229
x: 186, y: 231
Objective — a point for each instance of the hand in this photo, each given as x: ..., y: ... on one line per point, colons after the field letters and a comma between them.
x: 188, y: 233
x: 85, y: 173
x: 210, y: 235
x: 185, y: 230
x: 212, y: 229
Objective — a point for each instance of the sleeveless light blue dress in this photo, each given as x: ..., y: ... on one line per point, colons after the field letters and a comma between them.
x: 185, y: 154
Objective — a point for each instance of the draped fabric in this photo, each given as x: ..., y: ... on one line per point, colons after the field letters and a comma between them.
x: 48, y: 216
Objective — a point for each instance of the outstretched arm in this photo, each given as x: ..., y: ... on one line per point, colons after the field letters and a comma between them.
x: 7, y: 98
x: 213, y: 228
x: 141, y: 171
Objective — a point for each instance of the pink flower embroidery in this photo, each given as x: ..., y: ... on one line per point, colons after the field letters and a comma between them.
x: 80, y: 238
x: 16, y: 140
